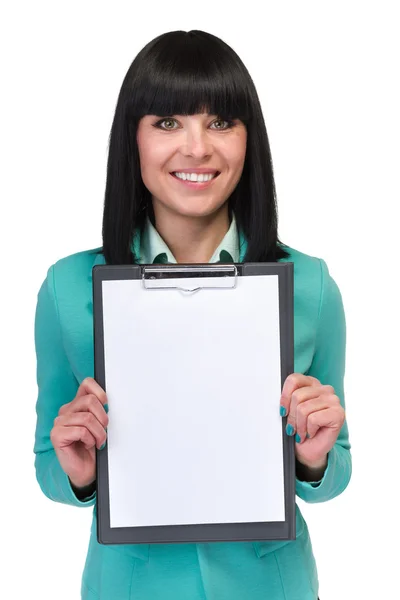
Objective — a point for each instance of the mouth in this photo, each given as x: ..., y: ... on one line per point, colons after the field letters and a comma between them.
x: 196, y: 184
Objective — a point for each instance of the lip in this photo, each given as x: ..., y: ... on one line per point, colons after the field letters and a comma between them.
x: 200, y: 170
x: 194, y: 184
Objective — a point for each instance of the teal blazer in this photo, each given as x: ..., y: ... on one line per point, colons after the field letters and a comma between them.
x: 213, y: 571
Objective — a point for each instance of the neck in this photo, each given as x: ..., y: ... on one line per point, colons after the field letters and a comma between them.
x: 191, y: 239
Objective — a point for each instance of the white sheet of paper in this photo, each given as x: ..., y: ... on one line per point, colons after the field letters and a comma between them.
x: 193, y: 384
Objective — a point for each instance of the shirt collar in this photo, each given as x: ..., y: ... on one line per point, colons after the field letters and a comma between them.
x: 154, y: 249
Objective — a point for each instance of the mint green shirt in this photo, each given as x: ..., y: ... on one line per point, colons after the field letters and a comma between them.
x: 153, y: 249
x: 260, y: 570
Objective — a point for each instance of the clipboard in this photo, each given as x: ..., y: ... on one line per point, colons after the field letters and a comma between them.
x: 126, y: 499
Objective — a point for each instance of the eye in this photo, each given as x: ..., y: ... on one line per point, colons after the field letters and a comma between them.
x: 166, y: 120
x: 230, y: 123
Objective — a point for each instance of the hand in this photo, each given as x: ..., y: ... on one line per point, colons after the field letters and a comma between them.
x: 315, y: 416
x: 78, y: 429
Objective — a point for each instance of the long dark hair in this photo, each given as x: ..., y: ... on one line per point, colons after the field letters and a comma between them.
x: 185, y: 73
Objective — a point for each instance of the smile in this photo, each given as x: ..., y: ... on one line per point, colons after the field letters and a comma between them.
x: 195, y: 180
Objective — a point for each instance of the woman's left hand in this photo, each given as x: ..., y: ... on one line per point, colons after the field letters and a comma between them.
x: 314, y: 411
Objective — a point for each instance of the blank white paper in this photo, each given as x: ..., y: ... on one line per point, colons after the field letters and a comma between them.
x: 193, y: 384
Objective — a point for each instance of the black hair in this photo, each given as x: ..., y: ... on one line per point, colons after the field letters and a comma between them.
x: 185, y: 73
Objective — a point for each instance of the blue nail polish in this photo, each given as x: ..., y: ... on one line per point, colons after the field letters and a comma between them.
x: 289, y: 429
x: 106, y: 408
x: 298, y: 438
x: 282, y: 411
x: 103, y: 446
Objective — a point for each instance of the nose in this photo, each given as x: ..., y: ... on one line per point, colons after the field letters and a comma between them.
x: 196, y: 143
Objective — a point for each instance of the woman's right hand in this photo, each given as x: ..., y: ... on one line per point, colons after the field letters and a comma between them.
x: 78, y: 429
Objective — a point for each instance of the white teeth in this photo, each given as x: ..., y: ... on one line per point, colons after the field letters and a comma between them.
x: 195, y: 176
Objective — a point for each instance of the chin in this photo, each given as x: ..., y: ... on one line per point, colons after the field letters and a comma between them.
x: 197, y: 209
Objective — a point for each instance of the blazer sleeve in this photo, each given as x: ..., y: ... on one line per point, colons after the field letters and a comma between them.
x: 57, y: 385
x: 328, y: 365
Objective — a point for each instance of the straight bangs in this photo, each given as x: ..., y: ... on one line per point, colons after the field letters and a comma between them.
x: 187, y: 75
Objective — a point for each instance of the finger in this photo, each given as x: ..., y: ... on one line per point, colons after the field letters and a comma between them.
x: 293, y: 382
x: 89, y: 403
x: 299, y: 396
x: 64, y: 436
x: 332, y: 417
x: 83, y: 419
x: 304, y: 410
x: 89, y: 386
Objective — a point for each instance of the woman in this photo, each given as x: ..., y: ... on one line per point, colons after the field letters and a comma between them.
x: 188, y: 105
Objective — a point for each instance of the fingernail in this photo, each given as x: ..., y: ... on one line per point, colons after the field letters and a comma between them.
x: 289, y: 429
x: 106, y: 408
x: 101, y: 447
x: 282, y: 411
x: 297, y: 438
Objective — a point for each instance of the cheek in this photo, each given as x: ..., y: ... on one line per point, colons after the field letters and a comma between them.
x: 151, y: 161
x: 237, y: 153
x: 237, y: 164
x: 150, y: 154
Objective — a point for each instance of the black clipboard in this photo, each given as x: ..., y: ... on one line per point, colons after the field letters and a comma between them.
x: 157, y: 276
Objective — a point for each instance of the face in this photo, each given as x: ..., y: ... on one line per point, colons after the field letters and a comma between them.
x: 170, y: 145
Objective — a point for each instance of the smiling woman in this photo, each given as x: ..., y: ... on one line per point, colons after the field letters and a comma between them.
x: 190, y: 105
x: 190, y: 180
x: 191, y: 169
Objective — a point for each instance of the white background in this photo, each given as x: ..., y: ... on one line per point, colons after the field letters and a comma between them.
x: 327, y: 77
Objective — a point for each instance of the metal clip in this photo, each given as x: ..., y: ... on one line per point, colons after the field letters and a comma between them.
x: 157, y: 278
